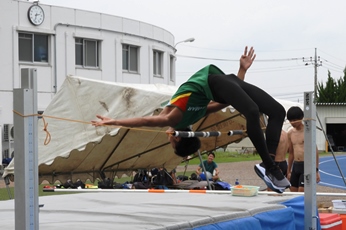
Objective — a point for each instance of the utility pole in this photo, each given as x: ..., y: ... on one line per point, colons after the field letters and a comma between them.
x: 315, y: 79
x: 316, y: 62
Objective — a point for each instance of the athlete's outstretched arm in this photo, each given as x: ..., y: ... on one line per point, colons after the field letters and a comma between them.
x: 170, y: 116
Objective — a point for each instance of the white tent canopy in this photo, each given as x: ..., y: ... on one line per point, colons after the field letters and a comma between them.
x: 78, y: 150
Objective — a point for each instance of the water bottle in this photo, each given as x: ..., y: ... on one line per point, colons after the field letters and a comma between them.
x: 236, y: 182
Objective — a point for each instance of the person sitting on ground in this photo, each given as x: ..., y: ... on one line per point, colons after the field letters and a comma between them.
x: 210, y: 166
x: 295, y: 169
x: 210, y: 90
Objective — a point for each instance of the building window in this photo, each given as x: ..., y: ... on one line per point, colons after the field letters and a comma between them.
x: 87, y: 52
x: 33, y: 47
x: 171, y: 68
x: 158, y: 55
x: 130, y: 58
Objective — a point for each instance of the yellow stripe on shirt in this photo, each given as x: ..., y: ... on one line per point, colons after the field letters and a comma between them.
x: 179, y: 97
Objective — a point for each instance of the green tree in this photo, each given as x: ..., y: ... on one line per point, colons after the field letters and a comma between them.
x: 334, y: 91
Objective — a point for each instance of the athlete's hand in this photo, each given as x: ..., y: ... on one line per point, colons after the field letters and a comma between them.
x: 247, y: 58
x: 318, y: 177
x: 100, y: 122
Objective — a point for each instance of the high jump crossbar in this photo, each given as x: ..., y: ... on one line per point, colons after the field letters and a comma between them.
x: 189, y: 134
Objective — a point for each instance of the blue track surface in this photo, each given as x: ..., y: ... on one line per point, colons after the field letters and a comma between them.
x: 330, y: 174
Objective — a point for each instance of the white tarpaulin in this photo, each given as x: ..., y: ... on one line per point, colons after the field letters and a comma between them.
x: 78, y: 150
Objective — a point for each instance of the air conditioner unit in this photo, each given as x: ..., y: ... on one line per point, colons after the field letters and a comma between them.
x: 8, y: 132
x: 8, y: 153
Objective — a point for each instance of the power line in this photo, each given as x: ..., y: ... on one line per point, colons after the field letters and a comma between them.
x: 295, y: 97
x: 331, y: 68
x: 333, y: 64
x: 237, y: 60
x: 315, y: 61
x: 257, y: 51
x: 260, y: 70
x: 332, y: 56
x: 289, y: 86
x: 205, y: 58
x: 277, y: 69
x: 288, y: 94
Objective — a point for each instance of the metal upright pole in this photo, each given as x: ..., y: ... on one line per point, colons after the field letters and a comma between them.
x: 310, y: 208
x: 204, y: 171
x: 25, y: 147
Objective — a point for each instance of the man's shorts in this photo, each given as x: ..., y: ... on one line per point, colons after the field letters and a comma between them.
x: 283, y: 166
x: 297, y: 174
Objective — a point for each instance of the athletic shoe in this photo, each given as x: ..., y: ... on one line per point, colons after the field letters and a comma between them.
x: 277, y: 177
x: 260, y: 171
x: 270, y: 180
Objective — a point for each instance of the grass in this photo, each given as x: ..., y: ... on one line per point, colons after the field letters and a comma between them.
x: 226, y: 157
x: 5, y: 196
x: 221, y: 157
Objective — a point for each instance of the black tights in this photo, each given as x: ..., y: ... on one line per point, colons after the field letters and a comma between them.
x: 250, y: 100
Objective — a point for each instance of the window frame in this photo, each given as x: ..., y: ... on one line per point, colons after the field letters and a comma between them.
x: 34, y: 48
x: 84, y: 51
x: 172, y: 68
x: 158, y: 63
x: 128, y: 56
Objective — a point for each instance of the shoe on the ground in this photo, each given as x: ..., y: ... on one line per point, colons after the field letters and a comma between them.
x: 273, y: 178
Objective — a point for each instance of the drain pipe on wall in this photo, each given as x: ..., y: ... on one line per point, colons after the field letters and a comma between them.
x: 55, y: 59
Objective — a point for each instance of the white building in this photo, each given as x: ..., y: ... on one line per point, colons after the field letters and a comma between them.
x: 333, y: 120
x: 59, y: 41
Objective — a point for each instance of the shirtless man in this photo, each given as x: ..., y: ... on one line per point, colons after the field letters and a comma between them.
x: 295, y: 169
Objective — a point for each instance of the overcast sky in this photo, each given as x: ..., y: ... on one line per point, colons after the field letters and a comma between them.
x: 282, y: 33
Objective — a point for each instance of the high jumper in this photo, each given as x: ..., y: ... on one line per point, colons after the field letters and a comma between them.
x: 208, y: 91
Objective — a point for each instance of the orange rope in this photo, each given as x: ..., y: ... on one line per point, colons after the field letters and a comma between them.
x: 48, y: 136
